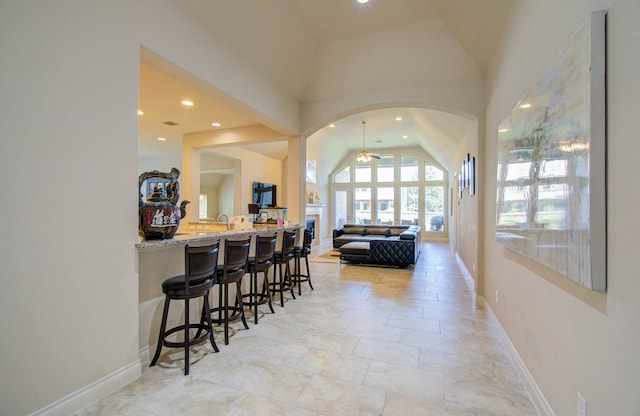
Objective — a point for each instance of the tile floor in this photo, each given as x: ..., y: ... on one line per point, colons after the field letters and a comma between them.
x: 367, y: 341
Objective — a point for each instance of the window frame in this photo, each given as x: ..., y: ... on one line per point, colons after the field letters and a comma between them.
x: 397, y: 184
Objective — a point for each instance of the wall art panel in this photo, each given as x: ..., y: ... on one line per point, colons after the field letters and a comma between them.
x: 551, y: 163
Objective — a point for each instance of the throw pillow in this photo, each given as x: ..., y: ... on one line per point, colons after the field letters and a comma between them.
x: 396, y: 230
x: 353, y: 230
x: 373, y: 230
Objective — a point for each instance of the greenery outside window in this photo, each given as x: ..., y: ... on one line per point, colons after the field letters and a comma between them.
x: 434, y: 208
x: 409, y: 205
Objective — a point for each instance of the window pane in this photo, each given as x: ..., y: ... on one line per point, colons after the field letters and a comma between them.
x: 409, y: 205
x: 518, y: 170
x: 384, y: 208
x: 203, y: 207
x: 363, y: 172
x: 340, y: 208
x: 513, y: 210
x: 553, y: 168
x: 434, y: 207
x: 408, y: 169
x: 344, y: 176
x: 550, y: 210
x: 385, y: 169
x: 432, y: 173
x: 362, y: 205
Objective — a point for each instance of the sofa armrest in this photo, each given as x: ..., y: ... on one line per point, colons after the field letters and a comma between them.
x: 408, y: 235
x: 338, y: 232
x: 411, y: 233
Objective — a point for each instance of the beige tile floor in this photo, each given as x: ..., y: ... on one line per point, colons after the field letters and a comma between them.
x: 367, y: 341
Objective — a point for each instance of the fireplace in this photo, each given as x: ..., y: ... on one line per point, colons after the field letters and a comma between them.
x: 314, y: 216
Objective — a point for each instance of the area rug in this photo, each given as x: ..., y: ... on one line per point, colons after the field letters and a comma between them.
x: 331, y: 256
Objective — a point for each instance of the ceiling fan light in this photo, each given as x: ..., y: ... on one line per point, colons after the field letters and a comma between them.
x: 364, y: 156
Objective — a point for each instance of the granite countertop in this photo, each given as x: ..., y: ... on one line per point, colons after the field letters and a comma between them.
x: 192, y: 237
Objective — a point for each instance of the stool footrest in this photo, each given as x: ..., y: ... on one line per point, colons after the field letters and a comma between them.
x: 237, y: 314
x: 255, y: 299
x: 192, y: 341
x: 276, y: 287
x: 298, y: 278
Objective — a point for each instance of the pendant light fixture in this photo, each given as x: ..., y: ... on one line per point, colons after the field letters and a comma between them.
x: 365, y: 156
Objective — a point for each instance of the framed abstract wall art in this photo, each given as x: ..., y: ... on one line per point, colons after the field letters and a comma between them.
x: 551, y: 196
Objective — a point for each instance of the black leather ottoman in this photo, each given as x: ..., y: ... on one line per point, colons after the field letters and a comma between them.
x: 355, y: 251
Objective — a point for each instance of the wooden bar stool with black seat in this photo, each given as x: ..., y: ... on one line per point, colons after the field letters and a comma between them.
x: 282, y: 280
x: 298, y: 254
x: 200, y: 265
x: 260, y: 263
x: 236, y: 254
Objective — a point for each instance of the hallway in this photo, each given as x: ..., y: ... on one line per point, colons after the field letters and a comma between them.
x: 366, y: 341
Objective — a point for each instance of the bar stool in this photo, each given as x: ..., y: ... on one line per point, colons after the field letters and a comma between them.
x: 299, y: 253
x: 200, y: 264
x: 236, y: 254
x: 281, y: 281
x: 260, y: 263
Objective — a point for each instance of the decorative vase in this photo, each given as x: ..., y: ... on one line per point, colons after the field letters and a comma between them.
x: 159, y: 216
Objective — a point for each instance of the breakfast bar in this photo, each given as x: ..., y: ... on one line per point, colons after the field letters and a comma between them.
x: 158, y: 260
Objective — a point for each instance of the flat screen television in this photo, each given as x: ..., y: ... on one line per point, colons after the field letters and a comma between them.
x: 264, y: 194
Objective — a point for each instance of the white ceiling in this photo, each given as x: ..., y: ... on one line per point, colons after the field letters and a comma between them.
x: 280, y: 37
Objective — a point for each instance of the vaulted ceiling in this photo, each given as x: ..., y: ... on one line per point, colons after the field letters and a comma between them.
x: 282, y: 38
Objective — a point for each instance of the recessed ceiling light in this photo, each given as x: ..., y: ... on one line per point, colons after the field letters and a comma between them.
x: 398, y: 118
x: 162, y: 139
x: 140, y: 112
x: 188, y: 103
x: 363, y: 1
x: 216, y: 124
x: 525, y: 105
x: 332, y: 126
x: 405, y: 136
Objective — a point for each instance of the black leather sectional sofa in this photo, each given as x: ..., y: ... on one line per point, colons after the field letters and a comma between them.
x: 392, y: 245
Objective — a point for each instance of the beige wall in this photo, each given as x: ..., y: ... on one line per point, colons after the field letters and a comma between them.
x: 570, y: 339
x: 68, y: 159
x: 450, y: 82
x: 69, y: 284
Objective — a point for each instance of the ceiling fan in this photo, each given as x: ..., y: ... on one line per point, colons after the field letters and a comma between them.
x: 365, y: 156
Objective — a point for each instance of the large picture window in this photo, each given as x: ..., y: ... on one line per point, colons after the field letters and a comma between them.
x: 395, y: 189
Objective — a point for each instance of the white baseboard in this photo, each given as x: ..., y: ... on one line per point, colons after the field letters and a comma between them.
x: 466, y: 274
x: 538, y: 399
x: 143, y: 355
x: 93, y: 392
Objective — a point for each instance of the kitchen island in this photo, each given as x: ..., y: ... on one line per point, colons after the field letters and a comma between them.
x: 158, y: 260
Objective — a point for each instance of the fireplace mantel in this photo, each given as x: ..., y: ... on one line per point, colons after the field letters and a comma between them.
x: 314, y: 209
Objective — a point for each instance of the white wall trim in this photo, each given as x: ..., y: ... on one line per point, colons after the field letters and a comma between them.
x: 466, y: 274
x: 93, y: 392
x: 143, y: 355
x: 538, y: 399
